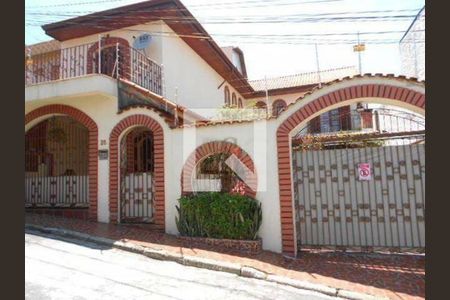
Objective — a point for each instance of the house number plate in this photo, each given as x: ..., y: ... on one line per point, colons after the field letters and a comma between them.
x: 102, y: 154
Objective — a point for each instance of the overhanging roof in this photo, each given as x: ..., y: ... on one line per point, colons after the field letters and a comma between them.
x: 302, y: 79
x: 174, y: 14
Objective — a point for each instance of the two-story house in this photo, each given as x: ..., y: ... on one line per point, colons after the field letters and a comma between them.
x: 118, y: 108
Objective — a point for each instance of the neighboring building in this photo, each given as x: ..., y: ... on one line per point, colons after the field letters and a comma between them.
x: 289, y: 88
x: 282, y: 91
x: 412, y: 48
x: 115, y: 131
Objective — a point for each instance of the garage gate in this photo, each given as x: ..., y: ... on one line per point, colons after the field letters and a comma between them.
x: 335, y: 208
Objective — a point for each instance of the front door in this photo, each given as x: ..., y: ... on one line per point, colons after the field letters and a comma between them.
x: 137, y: 179
x: 108, y: 64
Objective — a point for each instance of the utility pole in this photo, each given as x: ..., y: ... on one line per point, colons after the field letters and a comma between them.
x: 267, y: 94
x: 318, y: 67
x: 359, y: 48
x: 359, y: 57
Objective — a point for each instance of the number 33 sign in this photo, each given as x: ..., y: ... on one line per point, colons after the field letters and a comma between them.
x: 364, y: 171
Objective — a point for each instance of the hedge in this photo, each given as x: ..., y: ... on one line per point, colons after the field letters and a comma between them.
x: 219, y: 215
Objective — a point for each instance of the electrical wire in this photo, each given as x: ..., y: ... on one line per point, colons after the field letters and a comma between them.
x: 232, y: 4
x: 294, y: 39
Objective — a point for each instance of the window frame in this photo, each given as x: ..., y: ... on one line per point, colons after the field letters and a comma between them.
x: 227, y: 96
x: 275, y: 111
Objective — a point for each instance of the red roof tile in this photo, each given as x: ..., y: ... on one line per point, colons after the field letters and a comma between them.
x: 302, y: 79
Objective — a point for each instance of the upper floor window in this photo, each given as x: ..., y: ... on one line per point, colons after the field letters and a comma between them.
x: 261, y: 105
x: 240, y: 105
x: 332, y: 121
x: 278, y: 106
x: 227, y: 96
x: 234, y: 100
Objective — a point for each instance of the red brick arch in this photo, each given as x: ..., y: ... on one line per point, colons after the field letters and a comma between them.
x: 283, y: 141
x: 158, y: 138
x: 84, y: 119
x: 208, y: 149
x: 124, y: 47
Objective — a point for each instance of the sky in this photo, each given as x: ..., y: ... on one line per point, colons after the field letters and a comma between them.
x: 277, y: 37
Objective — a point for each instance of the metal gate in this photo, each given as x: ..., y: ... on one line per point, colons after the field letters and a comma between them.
x: 136, y: 177
x: 56, y: 164
x: 362, y: 188
x: 335, y: 208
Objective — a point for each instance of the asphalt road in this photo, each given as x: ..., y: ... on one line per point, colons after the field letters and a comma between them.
x: 56, y: 269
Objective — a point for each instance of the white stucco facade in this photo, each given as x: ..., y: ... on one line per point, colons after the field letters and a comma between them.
x: 98, y: 100
x: 101, y: 106
x: 188, y: 79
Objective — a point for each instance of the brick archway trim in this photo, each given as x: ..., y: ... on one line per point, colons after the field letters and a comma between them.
x: 283, y: 143
x: 84, y: 119
x: 158, y: 136
x: 208, y: 149
x: 106, y: 42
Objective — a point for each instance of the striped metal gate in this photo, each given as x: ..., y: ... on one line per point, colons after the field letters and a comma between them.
x: 335, y: 209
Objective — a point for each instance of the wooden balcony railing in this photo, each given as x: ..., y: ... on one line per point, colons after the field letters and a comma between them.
x: 117, y: 61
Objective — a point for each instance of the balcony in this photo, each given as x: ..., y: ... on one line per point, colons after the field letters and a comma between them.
x: 344, y: 127
x: 116, y: 61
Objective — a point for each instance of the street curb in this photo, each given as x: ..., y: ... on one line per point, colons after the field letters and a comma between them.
x: 204, y: 263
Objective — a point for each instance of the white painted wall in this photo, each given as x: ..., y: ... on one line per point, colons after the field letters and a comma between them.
x: 102, y: 108
x: 248, y: 136
x: 101, y: 105
x: 93, y: 84
x: 188, y: 79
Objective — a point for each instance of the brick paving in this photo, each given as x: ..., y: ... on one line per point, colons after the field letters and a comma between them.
x: 392, y: 276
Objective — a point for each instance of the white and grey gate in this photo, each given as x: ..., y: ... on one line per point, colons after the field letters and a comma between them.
x: 56, y: 164
x: 383, y: 207
x: 136, y: 176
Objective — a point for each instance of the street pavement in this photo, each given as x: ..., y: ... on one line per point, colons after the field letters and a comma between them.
x: 68, y: 269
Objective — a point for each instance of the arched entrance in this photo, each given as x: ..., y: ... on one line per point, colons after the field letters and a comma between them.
x: 137, y: 179
x: 56, y: 164
x: 61, y: 162
x: 374, y: 89
x: 137, y: 190
x: 115, y: 53
x: 206, y: 170
x: 360, y: 184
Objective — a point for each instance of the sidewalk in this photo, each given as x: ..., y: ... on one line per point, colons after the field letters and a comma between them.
x: 391, y: 276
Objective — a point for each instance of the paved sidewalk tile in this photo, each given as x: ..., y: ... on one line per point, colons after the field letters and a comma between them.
x: 392, y: 276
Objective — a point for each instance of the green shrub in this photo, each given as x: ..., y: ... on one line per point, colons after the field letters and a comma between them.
x: 219, y: 215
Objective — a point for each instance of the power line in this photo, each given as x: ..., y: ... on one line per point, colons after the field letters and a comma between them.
x: 285, y: 38
x: 226, y: 17
x: 232, y: 4
x: 269, y: 36
x: 293, y: 20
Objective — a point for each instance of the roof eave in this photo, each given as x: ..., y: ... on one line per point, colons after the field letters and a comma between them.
x: 82, y: 26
